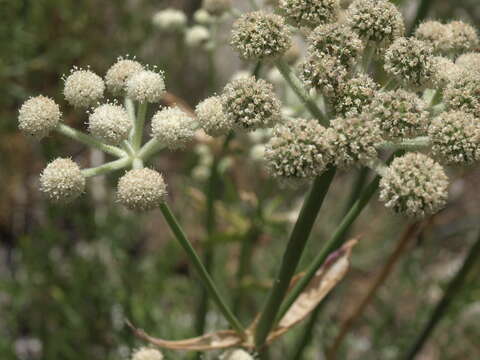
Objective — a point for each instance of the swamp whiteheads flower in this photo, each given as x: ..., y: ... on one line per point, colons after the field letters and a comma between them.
x: 309, y: 13
x: 435, y: 34
x: 83, y: 88
x: 353, y: 96
x: 411, y: 62
x: 217, y: 7
x: 354, y: 139
x: 336, y: 40
x: 62, y: 181
x: 251, y: 104
x: 325, y: 74
x: 141, y: 190
x: 146, y: 86
x: 455, y: 137
x: 145, y: 353
x: 377, y: 22
x: 463, y: 94
x: 298, y: 149
x: 170, y: 20
x: 259, y: 35
x: 119, y: 73
x: 399, y: 114
x: 173, y: 127
x: 445, y: 71
x: 38, y: 116
x: 202, y: 17
x: 463, y: 37
x: 469, y: 62
x: 236, y: 354
x: 109, y: 123
x: 211, y: 117
x: 197, y: 36
x: 414, y: 185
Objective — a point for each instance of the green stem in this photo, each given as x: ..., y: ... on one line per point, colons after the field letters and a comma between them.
x: 440, y: 310
x: 418, y: 143
x: 107, y: 168
x: 89, y: 140
x: 138, y: 126
x: 130, y: 107
x: 300, y: 91
x: 257, y: 69
x: 292, y: 255
x: 149, y: 149
x: 201, y: 271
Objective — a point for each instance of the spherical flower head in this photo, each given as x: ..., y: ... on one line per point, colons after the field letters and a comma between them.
x: 414, y: 185
x: 236, y: 354
x: 147, y: 354
x: 146, y: 86
x: 141, y: 190
x: 455, y: 137
x: 325, y: 74
x: 411, y: 62
x: 378, y: 22
x: 217, y: 7
x: 464, y: 94
x: 353, y: 96
x: 38, y: 116
x: 119, y: 73
x: 400, y: 114
x: 173, y: 127
x: 109, y: 123
x: 463, y: 37
x: 469, y: 62
x: 83, y: 88
x: 354, y: 139
x: 170, y: 20
x: 445, y: 71
x: 309, y: 13
x: 251, y: 104
x: 197, y: 36
x: 211, y: 117
x: 203, y: 17
x: 298, y: 149
x: 435, y: 34
x: 336, y: 40
x: 62, y: 181
x: 259, y: 35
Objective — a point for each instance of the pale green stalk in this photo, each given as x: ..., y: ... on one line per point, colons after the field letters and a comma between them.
x: 417, y: 143
x: 108, y: 167
x: 150, y: 148
x: 138, y: 126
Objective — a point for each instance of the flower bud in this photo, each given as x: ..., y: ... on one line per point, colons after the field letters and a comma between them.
x: 38, y: 116
x: 414, y: 185
x: 259, y: 35
x: 309, y: 13
x: 354, y: 95
x: 463, y: 94
x: 147, y: 354
x: 119, y: 73
x: 173, y: 127
x: 435, y: 34
x: 141, y: 190
x: 211, y: 117
x: 170, y: 20
x: 324, y: 74
x: 62, y: 181
x: 146, y: 86
x: 83, y: 88
x: 463, y: 37
x: 110, y: 123
x: 445, y: 71
x: 469, y: 62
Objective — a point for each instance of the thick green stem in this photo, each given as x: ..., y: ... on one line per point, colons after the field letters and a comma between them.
x: 89, y: 140
x: 138, y: 126
x: 440, y: 310
x: 149, y: 149
x: 107, y: 168
x: 292, y: 255
x: 300, y: 91
x: 418, y: 143
x: 201, y: 271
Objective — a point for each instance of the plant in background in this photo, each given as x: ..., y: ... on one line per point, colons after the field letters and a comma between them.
x: 348, y: 115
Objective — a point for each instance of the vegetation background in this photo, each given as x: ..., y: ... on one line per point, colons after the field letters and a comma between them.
x: 69, y: 276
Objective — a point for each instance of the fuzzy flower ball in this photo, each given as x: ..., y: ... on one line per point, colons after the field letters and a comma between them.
x: 146, y: 86
x: 455, y: 137
x: 325, y: 74
x: 336, y: 40
x: 445, y: 71
x: 259, y: 35
x: 377, y: 21
x: 173, y: 127
x: 463, y: 37
x: 62, y: 181
x: 38, y: 116
x: 469, y: 62
x: 411, y: 62
x: 118, y: 74
x: 414, y: 185
x: 355, y: 95
x: 354, y: 139
x: 170, y: 20
x: 309, y: 13
x: 197, y: 36
x: 110, y: 123
x: 251, y: 104
x: 399, y: 114
x: 217, y: 7
x: 236, y: 354
x: 141, y: 190
x: 83, y: 88
x: 464, y: 94
x: 147, y: 354
x: 298, y: 149
x: 211, y: 117
x: 435, y: 34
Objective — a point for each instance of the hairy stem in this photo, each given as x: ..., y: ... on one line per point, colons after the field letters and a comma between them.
x: 107, y: 168
x: 418, y: 143
x: 149, y: 149
x: 138, y: 126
